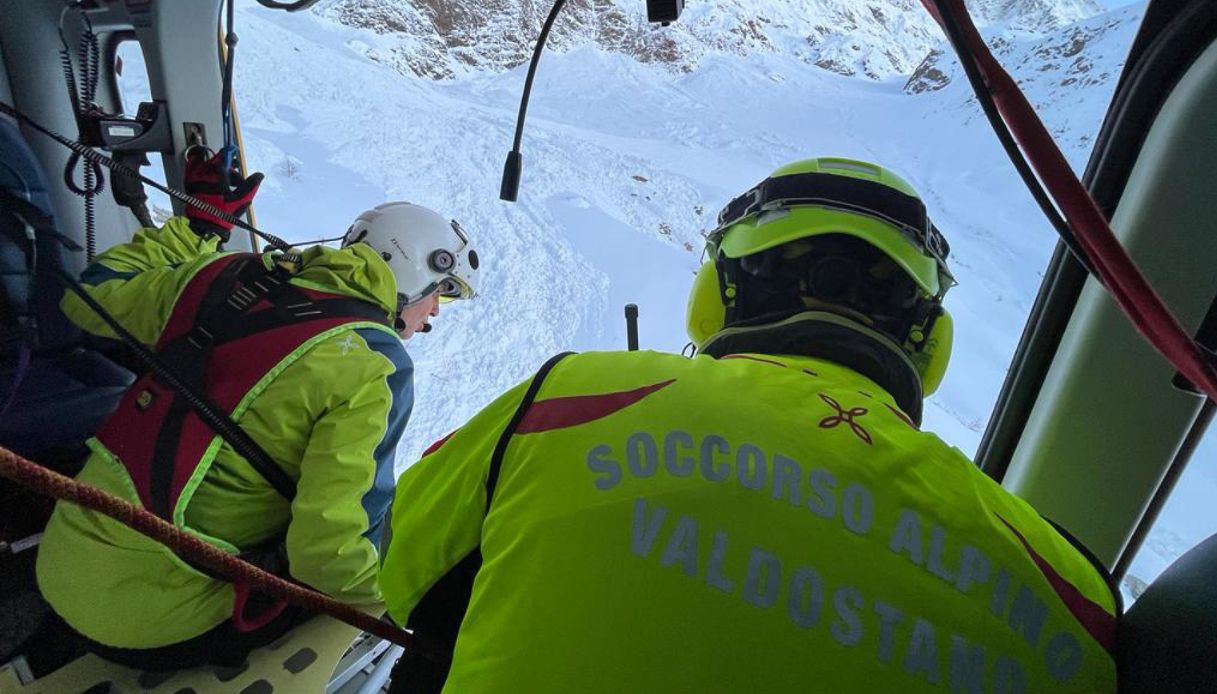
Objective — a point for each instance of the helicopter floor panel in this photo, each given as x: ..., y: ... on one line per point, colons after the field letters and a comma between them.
x: 304, y: 660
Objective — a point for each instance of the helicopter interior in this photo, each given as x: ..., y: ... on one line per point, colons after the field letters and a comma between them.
x: 1092, y: 426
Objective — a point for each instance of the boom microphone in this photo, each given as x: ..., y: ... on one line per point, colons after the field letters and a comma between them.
x: 659, y: 11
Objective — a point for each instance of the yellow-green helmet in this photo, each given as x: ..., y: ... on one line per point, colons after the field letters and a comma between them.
x: 859, y: 205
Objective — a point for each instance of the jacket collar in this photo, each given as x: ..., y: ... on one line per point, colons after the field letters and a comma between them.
x: 834, y: 339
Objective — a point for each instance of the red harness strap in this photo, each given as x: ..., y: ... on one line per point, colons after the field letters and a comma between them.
x: 233, y: 323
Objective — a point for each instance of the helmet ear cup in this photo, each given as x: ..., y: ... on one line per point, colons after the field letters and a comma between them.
x: 706, y: 313
x: 934, y: 356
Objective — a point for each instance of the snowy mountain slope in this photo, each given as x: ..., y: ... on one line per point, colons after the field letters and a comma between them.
x: 626, y: 165
x: 1052, y: 69
x: 1035, y: 16
x: 873, y: 38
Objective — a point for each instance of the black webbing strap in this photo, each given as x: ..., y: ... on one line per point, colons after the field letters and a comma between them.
x: 1112, y: 584
x: 164, y: 457
x: 222, y: 318
x: 188, y: 355
x: 500, y: 448
x: 269, y: 319
x: 438, y: 615
x: 28, y: 213
x: 191, y: 364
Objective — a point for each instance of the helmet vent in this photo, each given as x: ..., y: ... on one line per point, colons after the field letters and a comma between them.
x: 442, y: 260
x: 473, y: 259
x: 844, y: 165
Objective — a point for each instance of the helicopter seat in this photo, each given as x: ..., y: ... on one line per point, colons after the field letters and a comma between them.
x: 60, y: 390
x: 1167, y: 638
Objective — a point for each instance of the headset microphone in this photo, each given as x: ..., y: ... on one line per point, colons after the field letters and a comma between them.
x: 660, y: 11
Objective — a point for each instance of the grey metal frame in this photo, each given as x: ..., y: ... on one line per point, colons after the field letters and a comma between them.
x: 170, y: 38
x: 1108, y: 421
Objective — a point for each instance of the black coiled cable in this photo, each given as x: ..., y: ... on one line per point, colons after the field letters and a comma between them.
x: 93, y: 181
x: 83, y: 96
x: 93, y: 185
x: 90, y: 62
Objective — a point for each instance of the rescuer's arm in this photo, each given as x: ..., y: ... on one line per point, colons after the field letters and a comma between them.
x: 139, y: 281
x: 347, y: 475
x: 439, y: 506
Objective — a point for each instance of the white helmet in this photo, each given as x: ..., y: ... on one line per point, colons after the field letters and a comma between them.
x: 425, y: 252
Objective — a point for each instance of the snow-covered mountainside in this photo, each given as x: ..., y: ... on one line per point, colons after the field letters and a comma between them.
x: 626, y: 166
x: 1052, y: 69
x: 1035, y: 16
x: 628, y: 160
x: 873, y: 38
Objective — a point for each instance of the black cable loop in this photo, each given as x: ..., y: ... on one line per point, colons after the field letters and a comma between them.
x: 119, y: 168
x: 93, y: 185
x: 83, y: 96
x: 85, y: 188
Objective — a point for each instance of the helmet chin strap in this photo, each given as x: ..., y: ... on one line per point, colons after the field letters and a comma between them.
x: 831, y: 337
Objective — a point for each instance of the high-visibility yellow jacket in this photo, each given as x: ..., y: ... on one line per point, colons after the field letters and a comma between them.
x: 330, y: 414
x: 747, y: 524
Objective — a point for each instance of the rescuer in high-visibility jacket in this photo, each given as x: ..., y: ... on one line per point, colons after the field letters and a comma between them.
x: 764, y: 517
x: 310, y: 365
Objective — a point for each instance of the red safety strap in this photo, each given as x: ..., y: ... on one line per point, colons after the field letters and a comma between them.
x: 1123, y: 279
x: 240, y: 620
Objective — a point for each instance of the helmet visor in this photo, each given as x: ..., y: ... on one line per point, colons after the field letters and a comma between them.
x: 452, y: 288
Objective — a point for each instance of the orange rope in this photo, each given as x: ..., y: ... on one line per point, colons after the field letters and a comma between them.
x: 47, y: 482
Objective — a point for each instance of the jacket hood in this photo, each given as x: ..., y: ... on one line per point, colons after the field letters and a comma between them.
x: 356, y: 271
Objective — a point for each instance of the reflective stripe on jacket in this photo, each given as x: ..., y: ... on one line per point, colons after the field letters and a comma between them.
x: 752, y: 523
x: 330, y: 413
